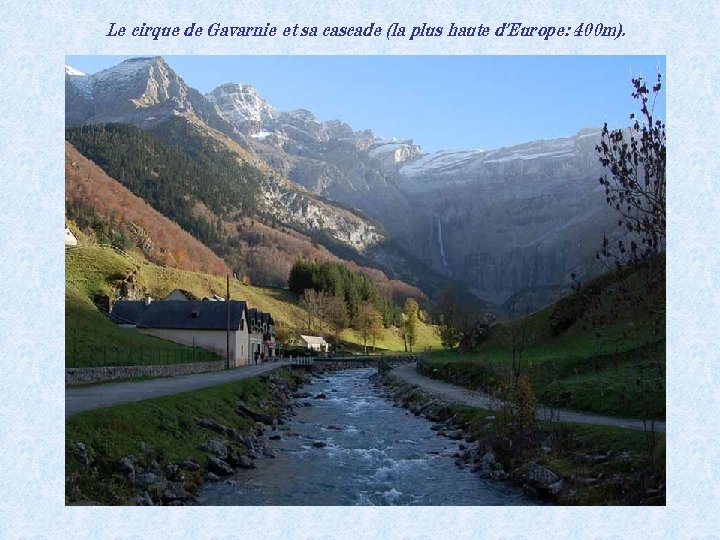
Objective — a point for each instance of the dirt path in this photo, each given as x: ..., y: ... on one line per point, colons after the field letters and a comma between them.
x: 462, y: 395
x: 79, y: 399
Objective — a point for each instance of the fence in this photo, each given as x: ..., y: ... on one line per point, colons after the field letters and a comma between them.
x: 111, y: 355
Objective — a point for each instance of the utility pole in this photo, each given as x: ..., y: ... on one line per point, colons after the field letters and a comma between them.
x: 227, y: 333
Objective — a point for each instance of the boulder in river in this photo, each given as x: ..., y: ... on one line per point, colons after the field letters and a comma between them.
x: 319, y: 444
x: 219, y: 467
x: 543, y: 478
x: 245, y: 462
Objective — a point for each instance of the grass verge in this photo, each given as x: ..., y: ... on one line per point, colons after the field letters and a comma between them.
x: 155, y: 433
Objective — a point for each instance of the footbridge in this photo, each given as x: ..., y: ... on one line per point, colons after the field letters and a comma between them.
x: 383, y: 362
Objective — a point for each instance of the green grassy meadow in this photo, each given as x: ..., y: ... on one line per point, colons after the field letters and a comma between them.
x: 610, y: 360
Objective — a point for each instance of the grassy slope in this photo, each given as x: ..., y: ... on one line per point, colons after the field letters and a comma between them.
x: 586, y: 368
x: 90, y: 338
x: 90, y: 269
x: 391, y: 341
x: 167, y: 426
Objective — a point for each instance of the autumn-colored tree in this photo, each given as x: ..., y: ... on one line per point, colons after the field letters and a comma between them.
x: 369, y: 324
x: 314, y: 303
x: 336, y: 315
x: 411, y: 322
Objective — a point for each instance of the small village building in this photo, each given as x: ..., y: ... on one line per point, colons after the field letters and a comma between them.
x: 200, y: 324
x: 70, y: 238
x: 181, y: 295
x: 261, y: 334
x: 315, y: 343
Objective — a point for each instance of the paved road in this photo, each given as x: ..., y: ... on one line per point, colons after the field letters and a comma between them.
x: 79, y: 399
x: 465, y: 396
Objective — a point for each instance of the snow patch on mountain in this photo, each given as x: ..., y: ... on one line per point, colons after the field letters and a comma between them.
x: 127, y: 69
x: 82, y: 82
x: 439, y: 162
x: 69, y: 70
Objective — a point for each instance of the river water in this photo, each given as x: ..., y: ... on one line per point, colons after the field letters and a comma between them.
x: 376, y: 454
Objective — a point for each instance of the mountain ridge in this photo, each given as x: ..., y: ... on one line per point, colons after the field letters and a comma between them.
x: 510, y: 219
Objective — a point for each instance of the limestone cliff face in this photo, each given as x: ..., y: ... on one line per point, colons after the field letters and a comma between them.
x: 511, y: 219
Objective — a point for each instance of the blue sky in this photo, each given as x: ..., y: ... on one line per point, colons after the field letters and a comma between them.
x: 441, y: 102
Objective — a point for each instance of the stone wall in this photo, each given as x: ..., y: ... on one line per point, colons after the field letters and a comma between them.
x: 111, y: 373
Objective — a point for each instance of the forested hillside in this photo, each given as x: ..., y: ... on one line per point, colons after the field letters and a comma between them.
x: 105, y: 208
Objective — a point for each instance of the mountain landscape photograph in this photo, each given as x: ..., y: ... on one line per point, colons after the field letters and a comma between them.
x: 355, y: 280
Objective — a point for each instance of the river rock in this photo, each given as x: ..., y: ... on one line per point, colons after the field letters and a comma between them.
x: 541, y: 477
x: 556, y: 487
x: 145, y: 480
x: 124, y: 466
x: 81, y: 452
x: 268, y: 453
x: 216, y: 447
x: 209, y: 423
x: 321, y: 396
x: 175, y: 491
x: 301, y: 395
x: 245, y: 462
x: 219, y: 466
x: 275, y: 437
x: 261, y: 417
x: 488, y: 459
x: 212, y: 477
x: 319, y: 444
x: 456, y: 435
x: 190, y: 464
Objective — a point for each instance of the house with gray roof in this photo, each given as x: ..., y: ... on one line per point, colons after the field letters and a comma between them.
x: 126, y: 313
x: 190, y: 322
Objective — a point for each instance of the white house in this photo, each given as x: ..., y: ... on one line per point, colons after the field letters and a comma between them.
x: 315, y: 343
x: 70, y: 239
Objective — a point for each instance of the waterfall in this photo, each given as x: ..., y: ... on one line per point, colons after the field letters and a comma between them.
x: 440, y: 243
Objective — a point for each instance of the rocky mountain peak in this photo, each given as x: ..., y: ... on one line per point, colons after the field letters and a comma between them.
x: 72, y: 72
x: 240, y: 103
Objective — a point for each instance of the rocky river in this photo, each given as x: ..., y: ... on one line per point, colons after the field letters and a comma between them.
x: 349, y: 445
